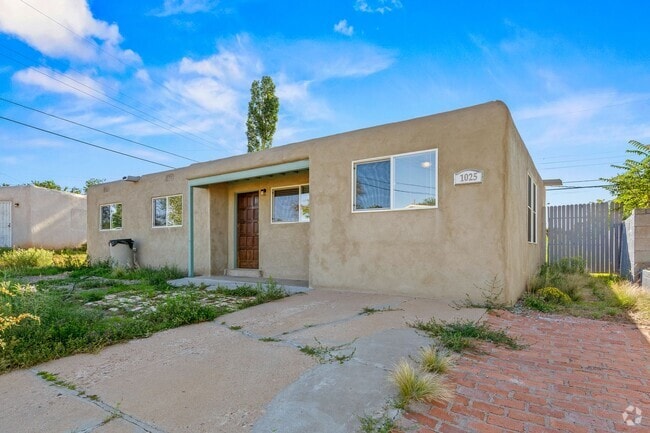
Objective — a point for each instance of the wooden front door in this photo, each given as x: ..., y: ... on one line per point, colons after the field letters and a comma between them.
x: 247, y: 230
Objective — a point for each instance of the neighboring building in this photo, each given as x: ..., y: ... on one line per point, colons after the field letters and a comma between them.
x: 31, y: 216
x: 436, y: 206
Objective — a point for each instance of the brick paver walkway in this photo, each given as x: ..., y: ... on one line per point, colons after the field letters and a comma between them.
x: 577, y: 375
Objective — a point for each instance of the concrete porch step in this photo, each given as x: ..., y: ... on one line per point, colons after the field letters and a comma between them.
x: 240, y: 272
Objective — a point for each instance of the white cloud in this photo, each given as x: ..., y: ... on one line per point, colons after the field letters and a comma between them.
x: 322, y: 61
x: 377, y: 6
x: 175, y: 7
x: 599, y: 117
x: 143, y: 75
x: 52, y: 81
x: 62, y: 29
x: 344, y: 28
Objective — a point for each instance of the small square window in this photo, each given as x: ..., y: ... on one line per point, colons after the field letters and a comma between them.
x: 110, y: 216
x: 291, y: 205
x: 168, y: 211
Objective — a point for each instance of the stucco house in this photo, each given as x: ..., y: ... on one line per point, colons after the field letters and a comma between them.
x: 435, y: 206
x: 31, y: 216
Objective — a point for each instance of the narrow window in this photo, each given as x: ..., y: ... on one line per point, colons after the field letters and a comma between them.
x: 291, y: 205
x: 168, y: 211
x: 110, y: 216
x: 406, y: 181
x: 532, y: 210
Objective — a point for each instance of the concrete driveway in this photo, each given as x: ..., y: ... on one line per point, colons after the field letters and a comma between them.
x: 243, y: 372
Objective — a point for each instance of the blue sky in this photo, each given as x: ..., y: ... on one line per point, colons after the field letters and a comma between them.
x: 175, y: 75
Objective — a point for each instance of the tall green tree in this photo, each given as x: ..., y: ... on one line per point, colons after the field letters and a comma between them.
x: 262, y: 115
x: 631, y: 188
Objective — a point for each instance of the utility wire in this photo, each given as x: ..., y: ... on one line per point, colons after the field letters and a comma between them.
x: 95, y: 129
x: 576, y: 187
x: 84, y: 142
x: 111, y: 104
x: 151, y: 108
x: 93, y: 43
x: 574, y: 160
x: 577, y: 165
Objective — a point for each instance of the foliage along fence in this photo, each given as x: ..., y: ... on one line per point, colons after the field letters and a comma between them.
x: 592, y: 231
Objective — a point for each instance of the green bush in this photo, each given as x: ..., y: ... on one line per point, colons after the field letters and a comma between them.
x: 553, y: 295
x: 30, y: 258
x: 534, y: 302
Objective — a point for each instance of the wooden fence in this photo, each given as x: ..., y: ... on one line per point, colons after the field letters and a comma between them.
x: 592, y: 231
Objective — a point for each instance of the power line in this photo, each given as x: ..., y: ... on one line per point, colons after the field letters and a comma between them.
x: 151, y: 108
x: 114, y: 105
x: 576, y: 187
x: 94, y: 44
x: 84, y: 142
x: 574, y: 160
x: 95, y: 129
x: 581, y: 181
x: 578, y: 165
x: 578, y: 156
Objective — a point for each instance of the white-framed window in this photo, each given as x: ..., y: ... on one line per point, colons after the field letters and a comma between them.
x: 110, y: 216
x: 167, y: 211
x: 404, y: 181
x: 532, y: 210
x: 290, y: 204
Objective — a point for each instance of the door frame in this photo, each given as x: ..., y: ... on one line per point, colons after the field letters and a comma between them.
x: 236, y: 227
x: 10, y: 207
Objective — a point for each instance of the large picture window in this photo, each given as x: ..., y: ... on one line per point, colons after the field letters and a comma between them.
x: 406, y: 181
x: 110, y: 216
x: 168, y: 211
x: 291, y: 205
x: 532, y: 210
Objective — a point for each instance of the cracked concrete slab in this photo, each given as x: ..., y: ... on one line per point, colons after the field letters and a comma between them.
x: 331, y: 397
x: 211, y: 378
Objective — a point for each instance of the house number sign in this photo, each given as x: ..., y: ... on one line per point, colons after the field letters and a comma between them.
x: 468, y: 176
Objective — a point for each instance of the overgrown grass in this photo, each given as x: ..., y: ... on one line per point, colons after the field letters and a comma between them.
x: 329, y: 354
x: 435, y: 360
x: 75, y: 316
x: 38, y: 261
x: 261, y: 293
x: 463, y: 335
x: 597, y: 296
x: 416, y: 386
x: 383, y: 424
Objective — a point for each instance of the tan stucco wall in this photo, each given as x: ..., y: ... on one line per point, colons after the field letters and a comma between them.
x: 477, y: 233
x: 45, y: 218
x: 525, y: 258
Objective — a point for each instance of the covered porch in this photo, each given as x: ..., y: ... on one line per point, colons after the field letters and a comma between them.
x: 251, y: 223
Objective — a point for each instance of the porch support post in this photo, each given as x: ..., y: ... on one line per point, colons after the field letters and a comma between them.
x: 190, y: 228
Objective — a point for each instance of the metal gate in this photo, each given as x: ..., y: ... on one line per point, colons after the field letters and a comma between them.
x: 5, y: 223
x: 592, y: 231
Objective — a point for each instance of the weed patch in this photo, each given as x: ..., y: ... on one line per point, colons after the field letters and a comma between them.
x: 383, y: 424
x: 435, y: 360
x: 269, y: 339
x: 463, y: 335
x: 415, y: 386
x: 371, y: 310
x: 329, y: 354
x: 95, y: 306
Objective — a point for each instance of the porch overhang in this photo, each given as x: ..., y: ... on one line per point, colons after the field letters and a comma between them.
x: 267, y: 170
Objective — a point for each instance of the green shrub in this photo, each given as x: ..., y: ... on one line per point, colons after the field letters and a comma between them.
x: 415, y: 386
x: 463, y: 334
x: 534, y: 302
x: 69, y: 260
x: 553, y: 295
x: 30, y: 258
